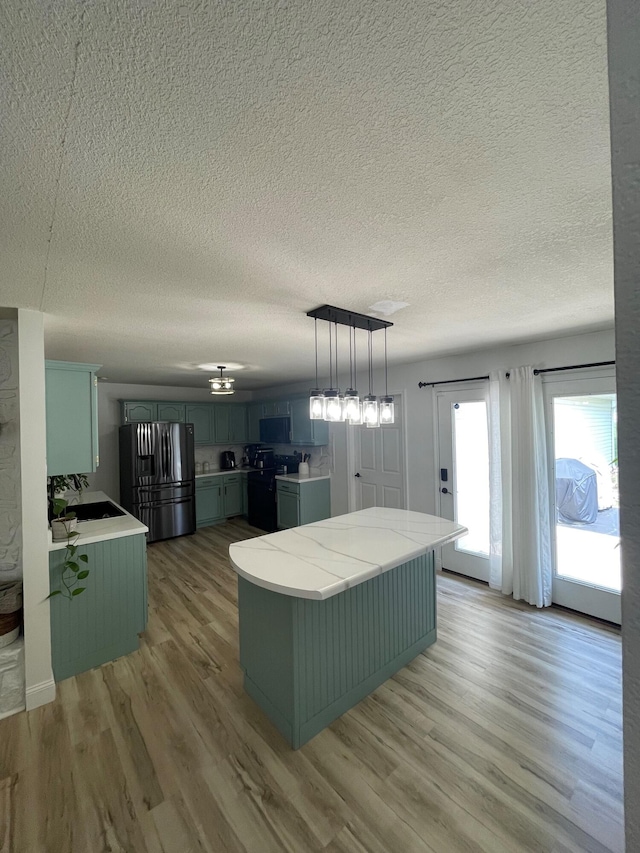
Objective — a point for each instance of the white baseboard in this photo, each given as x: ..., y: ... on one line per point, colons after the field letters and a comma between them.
x: 41, y: 694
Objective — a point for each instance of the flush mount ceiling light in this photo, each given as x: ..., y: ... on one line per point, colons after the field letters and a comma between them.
x: 387, y: 307
x: 222, y: 384
x: 330, y: 405
x: 215, y: 365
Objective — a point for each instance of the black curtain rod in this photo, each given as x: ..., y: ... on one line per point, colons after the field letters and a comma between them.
x: 573, y: 367
x: 535, y: 372
x: 450, y: 381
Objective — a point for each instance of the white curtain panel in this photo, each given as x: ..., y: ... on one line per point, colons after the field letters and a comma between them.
x: 520, y: 555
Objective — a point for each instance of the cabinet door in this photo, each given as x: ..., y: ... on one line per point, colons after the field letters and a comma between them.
x: 171, y: 412
x: 72, y: 416
x: 269, y: 409
x: 245, y: 496
x: 208, y: 502
x: 139, y: 413
x: 254, y: 413
x: 232, y: 496
x: 288, y: 509
x: 221, y: 419
x: 238, y: 424
x: 200, y: 415
x: 301, y: 422
x: 282, y: 407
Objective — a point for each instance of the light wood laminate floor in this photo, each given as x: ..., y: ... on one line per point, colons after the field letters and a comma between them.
x: 504, y: 736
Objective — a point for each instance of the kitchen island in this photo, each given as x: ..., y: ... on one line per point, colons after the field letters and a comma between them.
x: 103, y: 623
x: 330, y: 610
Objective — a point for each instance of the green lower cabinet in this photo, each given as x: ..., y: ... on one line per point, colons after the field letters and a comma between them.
x: 103, y: 623
x: 209, y: 506
x: 288, y: 509
x: 307, y: 662
x: 232, y: 495
x: 303, y: 502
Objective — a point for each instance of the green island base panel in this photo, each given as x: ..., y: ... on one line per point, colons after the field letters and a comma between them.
x: 306, y: 662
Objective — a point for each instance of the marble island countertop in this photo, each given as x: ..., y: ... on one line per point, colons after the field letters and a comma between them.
x: 103, y: 528
x: 327, y: 557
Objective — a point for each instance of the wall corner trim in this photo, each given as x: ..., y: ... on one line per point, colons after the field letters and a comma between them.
x: 41, y: 694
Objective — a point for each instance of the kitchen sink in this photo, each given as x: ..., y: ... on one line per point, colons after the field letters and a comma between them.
x: 95, y: 511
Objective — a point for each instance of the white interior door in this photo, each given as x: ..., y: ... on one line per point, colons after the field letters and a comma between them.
x: 379, y: 464
x: 463, y: 445
x: 583, y: 485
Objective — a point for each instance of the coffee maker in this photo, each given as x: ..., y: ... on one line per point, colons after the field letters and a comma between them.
x: 250, y: 451
x: 227, y: 460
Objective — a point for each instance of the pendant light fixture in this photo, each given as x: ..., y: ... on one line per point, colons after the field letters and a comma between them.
x: 370, y: 413
x: 222, y: 385
x: 330, y: 405
x: 316, y: 399
x: 332, y: 401
x: 387, y: 406
x: 352, y: 407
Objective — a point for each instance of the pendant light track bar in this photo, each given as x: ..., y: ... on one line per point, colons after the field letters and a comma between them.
x: 344, y: 317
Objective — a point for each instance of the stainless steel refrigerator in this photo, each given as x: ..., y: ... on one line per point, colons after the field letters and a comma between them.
x: 157, y: 477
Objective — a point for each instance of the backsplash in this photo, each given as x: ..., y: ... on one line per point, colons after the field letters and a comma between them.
x: 320, y: 462
x: 211, y: 454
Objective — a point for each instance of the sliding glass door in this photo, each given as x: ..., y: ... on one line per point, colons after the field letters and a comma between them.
x: 583, y: 475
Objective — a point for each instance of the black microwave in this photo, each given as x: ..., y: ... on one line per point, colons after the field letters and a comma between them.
x: 275, y: 430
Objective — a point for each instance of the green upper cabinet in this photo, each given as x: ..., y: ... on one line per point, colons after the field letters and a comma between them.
x: 221, y: 420
x: 201, y: 416
x: 134, y: 412
x: 304, y: 431
x: 238, y: 424
x: 72, y: 417
x: 174, y: 412
x: 254, y: 413
x: 230, y: 424
x: 275, y: 409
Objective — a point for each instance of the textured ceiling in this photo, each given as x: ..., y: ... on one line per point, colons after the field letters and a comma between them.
x: 181, y: 182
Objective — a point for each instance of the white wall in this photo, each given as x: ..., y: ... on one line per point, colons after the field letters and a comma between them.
x: 418, y: 403
x: 624, y: 82
x: 40, y: 686
x: 107, y: 477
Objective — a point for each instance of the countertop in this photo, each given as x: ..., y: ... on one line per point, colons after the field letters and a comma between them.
x: 219, y: 472
x: 296, y: 478
x: 104, y: 528
x: 327, y: 557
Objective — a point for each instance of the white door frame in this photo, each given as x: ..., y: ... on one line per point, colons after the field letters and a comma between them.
x: 576, y: 595
x: 478, y: 386
x: 352, y: 500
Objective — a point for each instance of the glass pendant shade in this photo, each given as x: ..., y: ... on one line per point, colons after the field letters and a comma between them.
x: 316, y: 405
x: 332, y: 406
x: 370, y: 415
x: 351, y: 406
x: 387, y: 410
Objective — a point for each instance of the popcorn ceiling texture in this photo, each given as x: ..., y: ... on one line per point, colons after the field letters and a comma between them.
x: 10, y: 506
x: 188, y: 179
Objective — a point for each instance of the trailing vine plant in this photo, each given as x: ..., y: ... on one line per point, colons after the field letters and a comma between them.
x: 73, y: 569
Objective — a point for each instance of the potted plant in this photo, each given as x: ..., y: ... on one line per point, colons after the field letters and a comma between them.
x: 63, y: 527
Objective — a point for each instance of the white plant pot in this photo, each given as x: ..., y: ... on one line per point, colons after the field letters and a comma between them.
x: 61, y: 528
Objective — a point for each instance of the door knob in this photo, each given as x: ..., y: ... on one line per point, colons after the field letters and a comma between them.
x: 357, y: 475
x: 445, y: 491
